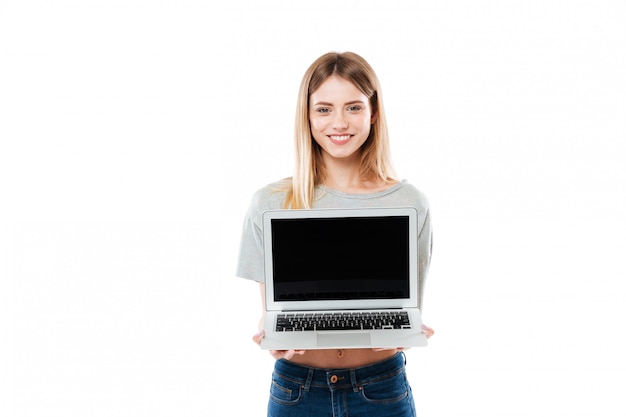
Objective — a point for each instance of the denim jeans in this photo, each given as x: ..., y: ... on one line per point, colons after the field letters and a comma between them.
x: 377, y: 390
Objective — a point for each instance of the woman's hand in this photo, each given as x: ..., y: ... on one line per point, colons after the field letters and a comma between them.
x: 427, y: 331
x: 277, y: 354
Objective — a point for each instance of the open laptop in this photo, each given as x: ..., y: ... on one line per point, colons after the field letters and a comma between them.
x: 341, y: 278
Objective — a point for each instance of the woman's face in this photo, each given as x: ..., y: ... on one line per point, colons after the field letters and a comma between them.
x: 340, y: 117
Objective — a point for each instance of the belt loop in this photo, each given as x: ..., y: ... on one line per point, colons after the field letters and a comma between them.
x: 309, y: 379
x: 355, y: 387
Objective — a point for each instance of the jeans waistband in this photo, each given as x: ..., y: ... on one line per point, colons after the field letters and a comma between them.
x: 340, y: 378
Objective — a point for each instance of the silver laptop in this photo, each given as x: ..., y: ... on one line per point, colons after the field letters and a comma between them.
x: 341, y: 278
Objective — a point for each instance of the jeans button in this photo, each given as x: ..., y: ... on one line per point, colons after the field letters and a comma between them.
x: 333, y: 379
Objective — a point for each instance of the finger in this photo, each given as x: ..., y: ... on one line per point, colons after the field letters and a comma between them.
x: 257, y: 338
x: 291, y: 352
x: 399, y: 349
x: 427, y: 331
x: 285, y: 354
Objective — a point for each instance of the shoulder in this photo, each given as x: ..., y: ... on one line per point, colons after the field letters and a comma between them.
x: 269, y: 197
x: 411, y: 195
x: 410, y: 189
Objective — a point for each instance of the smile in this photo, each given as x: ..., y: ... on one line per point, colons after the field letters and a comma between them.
x: 339, y: 139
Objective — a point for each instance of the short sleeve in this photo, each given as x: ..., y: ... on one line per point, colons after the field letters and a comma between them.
x: 250, y: 264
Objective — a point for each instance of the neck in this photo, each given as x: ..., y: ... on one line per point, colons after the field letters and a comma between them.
x: 342, y: 175
x: 348, y: 179
x: 345, y: 175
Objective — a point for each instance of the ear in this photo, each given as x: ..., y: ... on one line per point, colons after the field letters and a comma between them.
x: 373, y: 118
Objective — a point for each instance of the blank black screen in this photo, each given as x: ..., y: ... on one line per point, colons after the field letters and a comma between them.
x: 340, y: 258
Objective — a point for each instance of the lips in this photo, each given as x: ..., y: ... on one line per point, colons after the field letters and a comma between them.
x: 339, y: 139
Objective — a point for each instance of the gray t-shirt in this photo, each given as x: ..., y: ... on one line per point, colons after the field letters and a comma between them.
x: 403, y: 194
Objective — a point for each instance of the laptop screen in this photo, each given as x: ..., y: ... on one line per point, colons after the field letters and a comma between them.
x: 340, y: 258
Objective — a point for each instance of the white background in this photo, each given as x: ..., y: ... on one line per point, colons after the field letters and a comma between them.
x: 134, y: 132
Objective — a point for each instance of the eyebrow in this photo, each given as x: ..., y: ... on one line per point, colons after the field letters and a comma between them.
x: 324, y: 103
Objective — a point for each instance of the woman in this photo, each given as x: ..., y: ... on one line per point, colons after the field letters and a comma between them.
x: 342, y: 161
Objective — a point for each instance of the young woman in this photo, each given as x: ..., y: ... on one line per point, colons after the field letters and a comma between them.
x: 342, y: 161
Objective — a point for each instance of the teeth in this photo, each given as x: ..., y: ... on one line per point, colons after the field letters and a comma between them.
x: 340, y: 138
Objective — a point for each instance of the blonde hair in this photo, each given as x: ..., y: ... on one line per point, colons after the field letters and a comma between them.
x: 375, y: 155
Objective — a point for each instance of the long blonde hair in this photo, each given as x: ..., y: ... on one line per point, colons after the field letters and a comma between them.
x: 375, y: 155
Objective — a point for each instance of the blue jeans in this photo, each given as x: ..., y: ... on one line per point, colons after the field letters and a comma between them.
x: 377, y: 390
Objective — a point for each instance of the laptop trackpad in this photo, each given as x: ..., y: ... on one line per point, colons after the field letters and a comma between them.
x: 343, y: 339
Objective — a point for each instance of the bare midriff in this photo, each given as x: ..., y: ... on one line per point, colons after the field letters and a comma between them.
x: 341, y: 358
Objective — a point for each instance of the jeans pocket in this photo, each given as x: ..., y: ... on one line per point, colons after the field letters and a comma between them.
x: 387, y: 390
x: 284, y: 391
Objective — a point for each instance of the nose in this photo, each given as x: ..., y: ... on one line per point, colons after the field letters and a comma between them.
x: 339, y: 121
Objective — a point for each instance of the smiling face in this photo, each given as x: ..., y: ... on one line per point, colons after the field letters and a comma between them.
x: 341, y: 119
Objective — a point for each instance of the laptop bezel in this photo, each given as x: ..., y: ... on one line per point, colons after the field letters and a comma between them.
x: 410, y: 302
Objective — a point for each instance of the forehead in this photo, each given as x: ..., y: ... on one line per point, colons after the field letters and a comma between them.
x: 335, y: 88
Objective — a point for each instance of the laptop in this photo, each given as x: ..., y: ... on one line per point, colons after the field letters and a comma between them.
x: 341, y: 278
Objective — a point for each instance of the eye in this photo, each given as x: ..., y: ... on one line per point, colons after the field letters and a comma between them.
x: 322, y: 110
x: 355, y: 108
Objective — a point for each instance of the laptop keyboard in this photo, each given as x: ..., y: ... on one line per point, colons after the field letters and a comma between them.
x: 290, y: 322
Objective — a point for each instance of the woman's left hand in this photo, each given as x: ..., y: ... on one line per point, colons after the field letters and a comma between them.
x: 427, y: 331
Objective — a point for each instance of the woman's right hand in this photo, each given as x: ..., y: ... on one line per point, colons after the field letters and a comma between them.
x: 277, y: 354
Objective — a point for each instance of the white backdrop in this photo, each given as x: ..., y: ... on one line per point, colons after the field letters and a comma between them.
x: 134, y: 132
